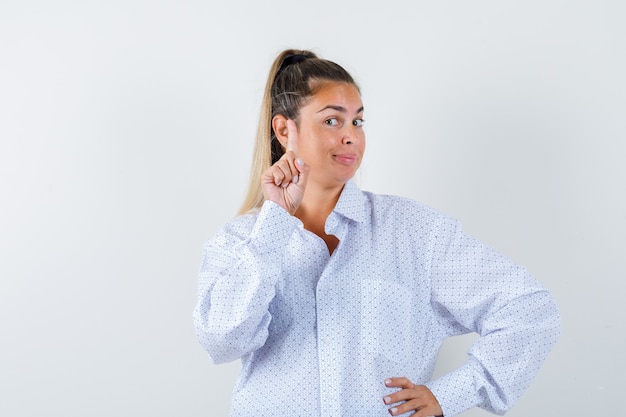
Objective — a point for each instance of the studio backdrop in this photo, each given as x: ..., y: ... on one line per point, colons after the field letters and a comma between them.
x: 126, y: 134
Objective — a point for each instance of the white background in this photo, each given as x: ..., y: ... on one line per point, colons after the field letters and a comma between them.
x: 126, y: 130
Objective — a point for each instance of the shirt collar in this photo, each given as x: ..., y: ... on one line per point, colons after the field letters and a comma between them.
x: 352, y: 203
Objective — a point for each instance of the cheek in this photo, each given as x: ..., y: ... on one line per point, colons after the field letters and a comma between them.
x: 308, y: 148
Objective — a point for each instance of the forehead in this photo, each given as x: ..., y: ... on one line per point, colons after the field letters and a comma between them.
x: 336, y: 94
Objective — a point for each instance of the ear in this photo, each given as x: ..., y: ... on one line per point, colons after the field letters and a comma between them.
x: 279, y: 125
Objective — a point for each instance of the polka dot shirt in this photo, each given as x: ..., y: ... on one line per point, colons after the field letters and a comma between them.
x: 318, y: 334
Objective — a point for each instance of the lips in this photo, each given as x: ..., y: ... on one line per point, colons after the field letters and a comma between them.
x: 346, y: 158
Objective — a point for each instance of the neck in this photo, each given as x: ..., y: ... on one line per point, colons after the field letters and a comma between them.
x: 318, y: 202
x: 316, y: 206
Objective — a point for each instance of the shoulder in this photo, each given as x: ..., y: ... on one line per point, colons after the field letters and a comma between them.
x: 408, y: 217
x: 397, y: 207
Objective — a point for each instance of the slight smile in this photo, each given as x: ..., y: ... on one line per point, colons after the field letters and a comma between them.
x: 347, y: 159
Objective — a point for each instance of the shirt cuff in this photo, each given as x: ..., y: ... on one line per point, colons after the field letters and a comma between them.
x: 458, y: 390
x: 273, y: 228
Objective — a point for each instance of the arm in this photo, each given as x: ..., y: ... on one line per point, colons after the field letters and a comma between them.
x: 240, y: 269
x: 237, y: 282
x: 478, y: 290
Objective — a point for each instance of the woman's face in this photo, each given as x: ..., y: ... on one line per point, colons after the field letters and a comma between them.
x: 330, y: 133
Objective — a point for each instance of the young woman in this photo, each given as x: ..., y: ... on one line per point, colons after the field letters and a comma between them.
x: 337, y: 300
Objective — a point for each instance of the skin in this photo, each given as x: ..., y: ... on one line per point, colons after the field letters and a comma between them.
x: 329, y: 137
x: 411, y: 397
x: 322, y: 152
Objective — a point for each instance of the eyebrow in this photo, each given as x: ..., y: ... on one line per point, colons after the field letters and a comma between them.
x: 339, y: 109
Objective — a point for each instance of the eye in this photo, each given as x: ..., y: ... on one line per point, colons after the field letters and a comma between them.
x: 332, y: 121
x: 358, y: 122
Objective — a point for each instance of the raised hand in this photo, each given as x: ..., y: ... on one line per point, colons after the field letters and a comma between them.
x: 285, y: 181
x: 411, y: 397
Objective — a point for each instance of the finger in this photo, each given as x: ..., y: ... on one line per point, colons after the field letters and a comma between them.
x: 292, y: 137
x: 413, y: 405
x: 427, y: 412
x: 277, y: 175
x: 396, y: 397
x: 301, y: 166
x: 418, y: 391
x: 280, y: 172
x: 289, y: 164
x: 418, y: 398
x: 290, y: 158
x: 424, y: 413
x: 401, y: 382
x: 288, y: 170
x: 303, y: 176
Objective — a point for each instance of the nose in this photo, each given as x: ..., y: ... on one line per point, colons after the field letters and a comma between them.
x: 350, y: 136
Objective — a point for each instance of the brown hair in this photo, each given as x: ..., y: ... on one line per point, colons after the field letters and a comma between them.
x: 294, y: 77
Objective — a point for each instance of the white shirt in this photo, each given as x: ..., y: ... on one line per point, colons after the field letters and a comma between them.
x: 318, y: 334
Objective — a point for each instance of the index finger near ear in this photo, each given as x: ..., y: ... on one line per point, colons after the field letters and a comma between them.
x: 292, y: 137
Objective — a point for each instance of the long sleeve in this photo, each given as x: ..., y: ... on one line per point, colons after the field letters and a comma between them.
x: 475, y: 289
x: 319, y: 333
x: 241, y: 267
